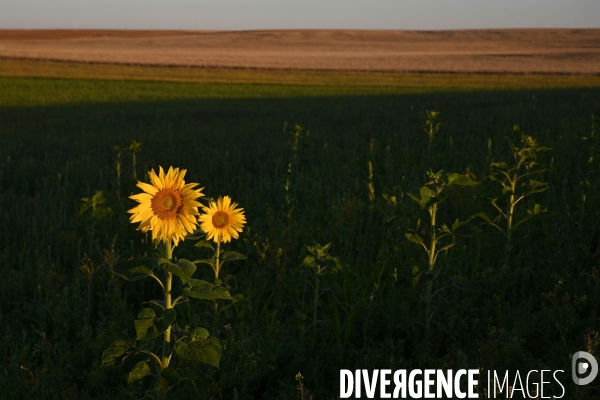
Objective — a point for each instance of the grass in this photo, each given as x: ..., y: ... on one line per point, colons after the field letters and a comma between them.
x: 57, y: 147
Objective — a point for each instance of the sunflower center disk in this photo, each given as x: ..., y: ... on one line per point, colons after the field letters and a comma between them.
x: 166, y: 203
x: 220, y: 219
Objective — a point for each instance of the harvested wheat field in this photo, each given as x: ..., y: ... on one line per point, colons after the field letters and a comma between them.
x: 528, y: 51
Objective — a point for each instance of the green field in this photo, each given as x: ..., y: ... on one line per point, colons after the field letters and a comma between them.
x: 529, y: 310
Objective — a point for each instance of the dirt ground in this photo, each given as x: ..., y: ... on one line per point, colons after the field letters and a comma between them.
x: 542, y: 51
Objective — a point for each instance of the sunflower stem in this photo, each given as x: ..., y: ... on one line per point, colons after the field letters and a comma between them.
x: 167, y: 338
x: 217, y: 270
x: 431, y: 254
x: 316, y: 303
x: 509, y: 219
x: 217, y: 266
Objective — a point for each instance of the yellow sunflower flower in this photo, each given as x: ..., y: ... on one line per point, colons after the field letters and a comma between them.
x: 222, y: 220
x: 168, y: 206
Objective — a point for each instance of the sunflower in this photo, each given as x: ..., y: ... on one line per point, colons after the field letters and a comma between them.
x: 222, y: 220
x: 168, y: 206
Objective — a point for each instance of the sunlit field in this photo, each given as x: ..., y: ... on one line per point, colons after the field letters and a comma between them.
x: 312, y: 161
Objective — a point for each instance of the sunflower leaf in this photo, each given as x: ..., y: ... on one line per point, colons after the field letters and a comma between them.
x: 170, y: 267
x: 232, y: 256
x: 204, y: 243
x: 170, y: 375
x: 461, y: 180
x: 139, y: 371
x: 204, y: 290
x: 188, y: 269
x: 534, y: 187
x: 427, y: 276
x: 134, y: 270
x: 152, y: 322
x: 197, y: 234
x: 115, y: 352
x: 502, y: 166
x: 425, y: 196
x: 433, y: 200
x: 309, y: 261
x: 209, y: 262
x: 184, y: 269
x: 157, y: 303
x: 206, y: 350
x: 334, y: 263
x: 199, y: 334
x: 414, y: 237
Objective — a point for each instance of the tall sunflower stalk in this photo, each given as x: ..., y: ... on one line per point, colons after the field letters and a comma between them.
x: 168, y: 207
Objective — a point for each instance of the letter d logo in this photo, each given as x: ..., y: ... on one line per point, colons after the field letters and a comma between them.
x: 583, y: 367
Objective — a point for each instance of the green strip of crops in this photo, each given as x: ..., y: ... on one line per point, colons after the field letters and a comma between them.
x: 35, y: 83
x: 51, y: 91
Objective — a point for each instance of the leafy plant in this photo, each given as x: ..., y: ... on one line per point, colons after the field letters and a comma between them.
x: 153, y: 373
x: 594, y: 159
x: 431, y: 128
x: 168, y: 208
x: 93, y: 209
x: 321, y: 262
x: 216, y: 262
x: 429, y: 198
x: 93, y: 206
x: 512, y: 179
x: 134, y: 148
x: 295, y: 136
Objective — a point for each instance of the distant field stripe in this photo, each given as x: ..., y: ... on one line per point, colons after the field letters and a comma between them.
x: 52, y: 91
x: 74, y: 70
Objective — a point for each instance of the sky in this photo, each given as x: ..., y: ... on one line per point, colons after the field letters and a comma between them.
x: 298, y: 14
